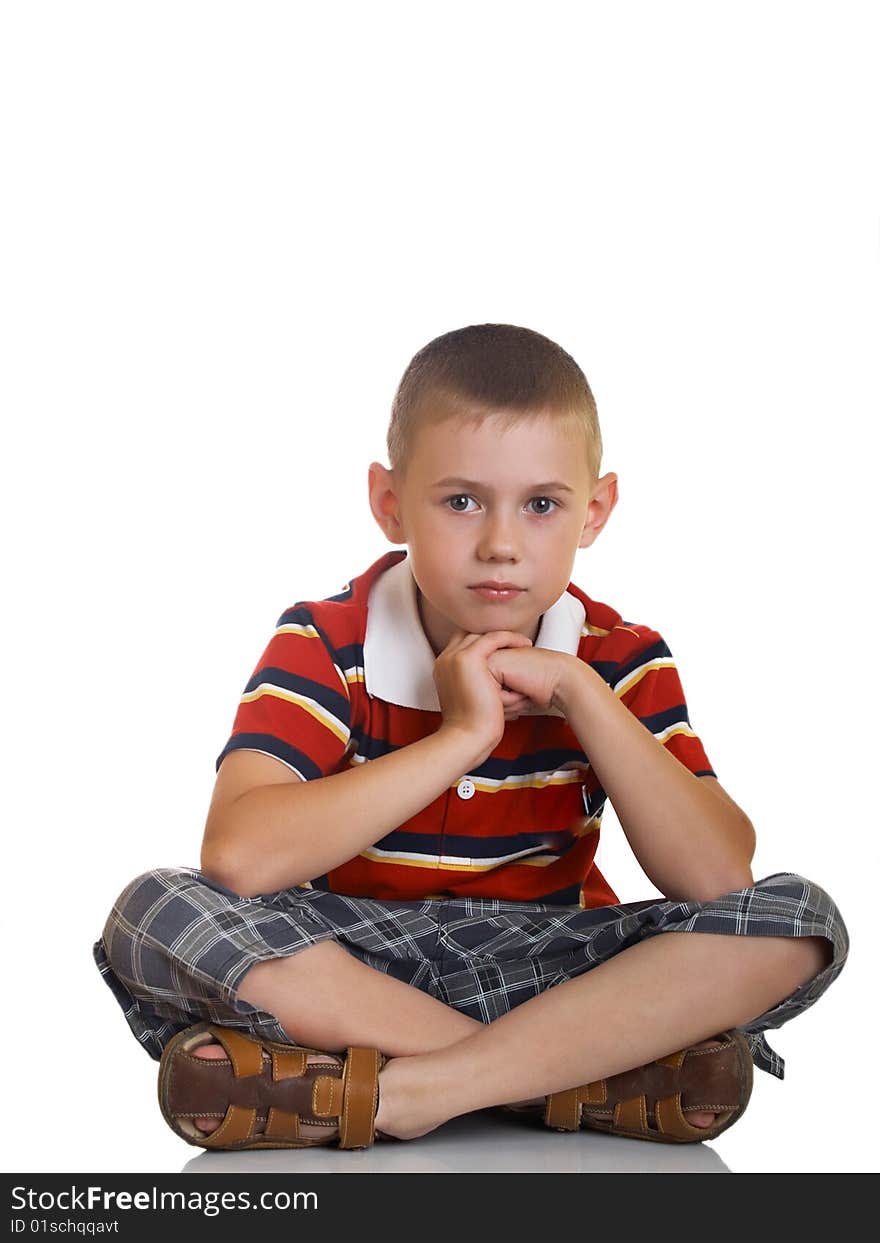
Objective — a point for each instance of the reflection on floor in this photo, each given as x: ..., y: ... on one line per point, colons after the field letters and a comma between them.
x: 487, y: 1142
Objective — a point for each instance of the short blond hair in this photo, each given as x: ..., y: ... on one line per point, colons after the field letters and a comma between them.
x: 491, y: 370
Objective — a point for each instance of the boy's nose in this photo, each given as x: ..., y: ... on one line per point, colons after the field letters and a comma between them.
x: 498, y: 539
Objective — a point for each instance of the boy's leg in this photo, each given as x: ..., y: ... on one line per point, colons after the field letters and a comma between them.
x: 327, y: 999
x: 176, y: 908
x: 303, y: 992
x: 178, y: 949
x: 174, y: 947
x: 663, y: 994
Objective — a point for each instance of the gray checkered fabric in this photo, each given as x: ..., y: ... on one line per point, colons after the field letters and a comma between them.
x: 176, y: 946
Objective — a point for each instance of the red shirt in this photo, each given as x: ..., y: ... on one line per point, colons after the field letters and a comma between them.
x: 347, y: 679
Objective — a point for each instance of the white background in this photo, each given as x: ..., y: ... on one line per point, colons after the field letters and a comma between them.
x: 226, y: 230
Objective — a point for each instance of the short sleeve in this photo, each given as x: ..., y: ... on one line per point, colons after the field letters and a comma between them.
x: 649, y: 685
x: 296, y: 705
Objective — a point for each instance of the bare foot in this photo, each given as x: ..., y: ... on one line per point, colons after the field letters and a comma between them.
x: 212, y: 1051
x: 399, y: 1114
x: 396, y: 1115
x: 703, y: 1118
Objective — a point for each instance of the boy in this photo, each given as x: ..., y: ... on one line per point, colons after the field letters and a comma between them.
x: 398, y: 918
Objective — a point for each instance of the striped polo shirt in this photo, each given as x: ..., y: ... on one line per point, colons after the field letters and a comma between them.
x: 348, y: 679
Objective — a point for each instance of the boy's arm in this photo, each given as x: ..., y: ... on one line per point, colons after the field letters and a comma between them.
x: 273, y: 837
x: 691, y: 842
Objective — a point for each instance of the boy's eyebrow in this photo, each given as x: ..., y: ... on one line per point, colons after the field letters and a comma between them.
x: 455, y: 481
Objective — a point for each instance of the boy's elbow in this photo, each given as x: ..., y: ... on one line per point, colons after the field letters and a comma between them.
x: 218, y: 867
x: 223, y: 864
x: 736, y: 875
x: 241, y: 870
x: 707, y: 889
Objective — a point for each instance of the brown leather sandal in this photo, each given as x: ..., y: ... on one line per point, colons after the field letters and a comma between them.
x: 267, y: 1094
x: 651, y: 1102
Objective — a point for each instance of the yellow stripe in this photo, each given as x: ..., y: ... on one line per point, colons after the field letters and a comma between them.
x: 576, y: 776
x: 662, y: 662
x: 302, y: 701
x: 665, y: 735
x: 511, y: 784
x: 309, y: 632
x: 435, y: 865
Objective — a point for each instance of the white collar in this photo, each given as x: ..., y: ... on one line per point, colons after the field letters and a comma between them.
x: 399, y: 660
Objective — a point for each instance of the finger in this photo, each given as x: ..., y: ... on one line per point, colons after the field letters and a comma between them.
x: 492, y: 640
x: 459, y: 639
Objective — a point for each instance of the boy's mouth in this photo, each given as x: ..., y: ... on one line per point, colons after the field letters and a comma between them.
x: 497, y: 591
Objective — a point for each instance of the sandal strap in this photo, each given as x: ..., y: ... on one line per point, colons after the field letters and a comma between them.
x: 246, y: 1055
x: 563, y: 1109
x: 263, y: 1080
x: 716, y: 1079
x: 360, y: 1098
x: 237, y: 1125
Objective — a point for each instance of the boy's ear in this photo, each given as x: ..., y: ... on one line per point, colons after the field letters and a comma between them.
x: 384, y: 502
x: 599, y: 509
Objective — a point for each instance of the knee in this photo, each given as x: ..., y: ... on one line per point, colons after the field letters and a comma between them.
x: 136, y: 908
x: 145, y: 891
x: 819, y: 935
x: 813, y: 955
x: 813, y: 909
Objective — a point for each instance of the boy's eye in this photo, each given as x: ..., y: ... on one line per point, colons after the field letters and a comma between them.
x: 463, y: 496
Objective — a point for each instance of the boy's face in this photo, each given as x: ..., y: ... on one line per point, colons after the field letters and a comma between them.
x: 498, y: 520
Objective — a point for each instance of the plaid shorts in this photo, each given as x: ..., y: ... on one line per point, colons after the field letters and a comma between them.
x: 176, y: 946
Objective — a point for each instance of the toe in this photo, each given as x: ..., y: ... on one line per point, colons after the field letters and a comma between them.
x: 703, y: 1118
x: 215, y: 1051
x: 209, y: 1051
x: 700, y: 1119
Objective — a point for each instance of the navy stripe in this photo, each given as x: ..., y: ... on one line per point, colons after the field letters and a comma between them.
x: 336, y: 702
x: 607, y: 669
x: 298, y: 615
x: 462, y: 847
x: 493, y: 768
x: 562, y: 897
x: 529, y: 762
x: 350, y: 656
x: 594, y: 800
x: 342, y: 596
x: 275, y: 747
x: 656, y: 651
x: 656, y: 722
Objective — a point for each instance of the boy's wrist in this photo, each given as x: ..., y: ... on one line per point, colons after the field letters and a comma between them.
x: 576, y: 679
x: 461, y: 742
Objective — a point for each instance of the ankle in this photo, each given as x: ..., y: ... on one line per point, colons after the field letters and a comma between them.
x: 407, y: 1106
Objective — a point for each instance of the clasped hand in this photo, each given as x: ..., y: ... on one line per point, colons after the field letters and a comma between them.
x: 484, y: 679
x: 531, y: 676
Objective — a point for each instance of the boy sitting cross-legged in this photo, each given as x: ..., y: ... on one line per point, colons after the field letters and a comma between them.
x: 398, y: 918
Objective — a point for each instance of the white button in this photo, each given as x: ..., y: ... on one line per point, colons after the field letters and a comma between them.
x: 466, y: 788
